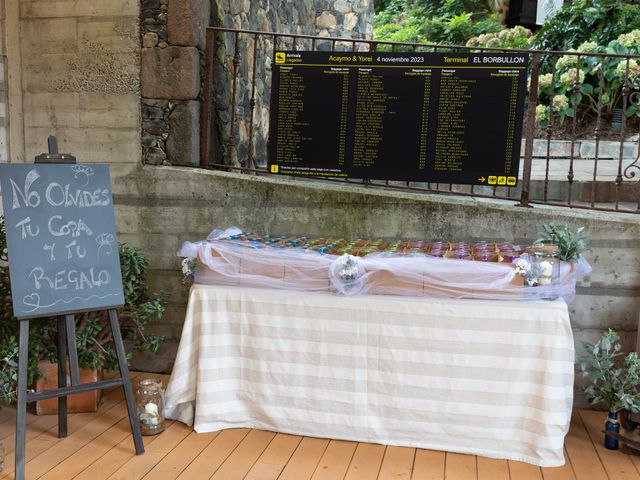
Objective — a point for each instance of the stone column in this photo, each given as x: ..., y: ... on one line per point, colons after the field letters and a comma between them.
x: 173, y: 35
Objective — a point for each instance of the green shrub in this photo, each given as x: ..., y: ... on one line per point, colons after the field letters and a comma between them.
x: 587, y: 20
x: 448, y: 22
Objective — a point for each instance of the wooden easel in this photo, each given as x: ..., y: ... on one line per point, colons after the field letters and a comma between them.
x: 67, y: 348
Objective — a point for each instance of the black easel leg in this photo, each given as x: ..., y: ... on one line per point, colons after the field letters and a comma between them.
x: 126, y: 381
x: 72, y: 349
x: 21, y: 414
x: 62, y: 376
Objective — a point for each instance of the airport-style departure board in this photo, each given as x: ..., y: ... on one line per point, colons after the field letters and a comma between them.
x: 424, y: 117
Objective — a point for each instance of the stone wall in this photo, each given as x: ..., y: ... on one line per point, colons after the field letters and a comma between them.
x: 177, y: 204
x: 325, y: 18
x: 172, y: 62
x: 74, y: 72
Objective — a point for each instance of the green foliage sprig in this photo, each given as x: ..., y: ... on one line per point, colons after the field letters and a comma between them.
x: 570, y: 244
x: 613, y: 377
x: 93, y: 335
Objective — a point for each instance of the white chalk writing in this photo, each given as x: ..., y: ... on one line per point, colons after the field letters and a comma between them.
x: 76, y: 279
x: 72, y: 227
x: 30, y: 199
x: 26, y: 228
x: 50, y: 248
x: 80, y: 250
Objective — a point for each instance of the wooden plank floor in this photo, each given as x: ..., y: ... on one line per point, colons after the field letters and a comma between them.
x: 99, y: 446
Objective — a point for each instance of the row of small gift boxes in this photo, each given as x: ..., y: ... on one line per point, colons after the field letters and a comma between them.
x: 483, y: 251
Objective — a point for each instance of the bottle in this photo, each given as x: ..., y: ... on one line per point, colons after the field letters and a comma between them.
x: 611, y: 425
x: 150, y: 406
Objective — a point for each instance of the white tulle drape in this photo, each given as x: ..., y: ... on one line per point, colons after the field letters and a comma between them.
x: 225, y: 262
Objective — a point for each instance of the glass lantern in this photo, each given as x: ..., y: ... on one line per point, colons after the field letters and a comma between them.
x: 150, y: 406
x: 543, y: 263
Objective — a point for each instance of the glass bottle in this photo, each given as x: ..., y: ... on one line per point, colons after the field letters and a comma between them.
x: 150, y: 406
x: 611, y: 425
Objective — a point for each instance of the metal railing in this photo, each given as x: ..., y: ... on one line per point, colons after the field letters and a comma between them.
x: 587, y: 175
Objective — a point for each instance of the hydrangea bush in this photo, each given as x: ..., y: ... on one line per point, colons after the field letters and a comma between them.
x: 516, y: 37
x: 579, y: 80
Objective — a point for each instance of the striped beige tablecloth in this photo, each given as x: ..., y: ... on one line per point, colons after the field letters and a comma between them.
x: 491, y: 378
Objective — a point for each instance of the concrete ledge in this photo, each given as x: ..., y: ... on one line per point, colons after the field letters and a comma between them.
x: 582, y: 148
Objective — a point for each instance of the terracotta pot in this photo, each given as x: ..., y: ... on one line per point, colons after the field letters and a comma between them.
x: 78, y: 403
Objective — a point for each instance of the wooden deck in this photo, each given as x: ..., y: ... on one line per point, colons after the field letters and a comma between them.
x: 99, y: 446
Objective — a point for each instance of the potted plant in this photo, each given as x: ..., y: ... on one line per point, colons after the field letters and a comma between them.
x: 613, y: 381
x: 93, y: 336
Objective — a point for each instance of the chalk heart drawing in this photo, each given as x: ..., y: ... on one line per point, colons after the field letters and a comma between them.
x: 82, y: 171
x: 32, y: 300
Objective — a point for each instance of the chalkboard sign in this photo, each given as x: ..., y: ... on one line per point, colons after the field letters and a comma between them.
x: 425, y: 117
x: 63, y: 251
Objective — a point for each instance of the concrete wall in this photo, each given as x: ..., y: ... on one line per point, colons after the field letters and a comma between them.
x: 178, y: 204
x: 4, y: 150
x: 74, y: 72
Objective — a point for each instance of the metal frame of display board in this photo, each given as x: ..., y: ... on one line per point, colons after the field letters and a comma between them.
x: 67, y: 351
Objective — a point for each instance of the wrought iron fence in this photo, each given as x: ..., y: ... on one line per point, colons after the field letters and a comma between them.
x: 580, y: 151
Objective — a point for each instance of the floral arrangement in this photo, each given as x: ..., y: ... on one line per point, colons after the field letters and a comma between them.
x: 555, y: 241
x: 349, y: 271
x: 346, y: 274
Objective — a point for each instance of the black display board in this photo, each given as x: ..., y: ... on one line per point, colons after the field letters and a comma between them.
x: 63, y: 251
x: 426, y: 117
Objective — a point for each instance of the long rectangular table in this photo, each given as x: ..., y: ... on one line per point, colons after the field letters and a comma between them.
x: 492, y: 378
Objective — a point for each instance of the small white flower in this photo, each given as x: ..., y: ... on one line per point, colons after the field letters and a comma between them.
x: 634, y: 69
x: 559, y: 103
x: 569, y: 78
x: 587, y: 47
x: 546, y: 269
x: 541, y: 114
x: 544, y: 80
x: 151, y: 409
x: 567, y: 61
x: 523, y: 267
